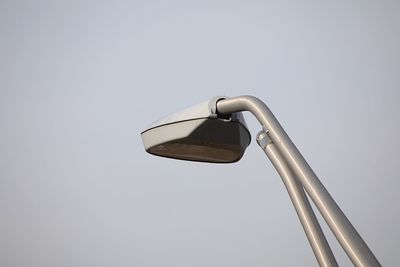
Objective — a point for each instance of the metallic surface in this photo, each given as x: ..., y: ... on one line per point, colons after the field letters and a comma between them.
x: 344, y: 231
x: 206, y: 109
x: 206, y: 140
x: 197, y: 134
x: 300, y: 202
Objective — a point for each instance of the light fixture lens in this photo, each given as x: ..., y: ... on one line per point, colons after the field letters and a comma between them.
x: 205, y: 153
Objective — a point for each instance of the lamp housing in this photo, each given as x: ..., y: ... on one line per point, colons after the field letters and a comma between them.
x: 198, y: 133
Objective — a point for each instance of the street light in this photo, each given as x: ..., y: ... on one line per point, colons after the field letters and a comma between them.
x: 199, y: 134
x: 215, y: 131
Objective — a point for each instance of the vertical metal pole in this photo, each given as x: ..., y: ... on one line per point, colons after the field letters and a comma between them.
x: 300, y: 202
x: 348, y: 237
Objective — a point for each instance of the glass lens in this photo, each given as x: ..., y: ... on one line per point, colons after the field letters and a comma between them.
x: 196, y: 152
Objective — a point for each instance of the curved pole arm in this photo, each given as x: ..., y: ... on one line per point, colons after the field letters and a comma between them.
x: 344, y: 231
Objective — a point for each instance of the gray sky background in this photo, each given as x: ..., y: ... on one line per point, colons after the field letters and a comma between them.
x: 79, y: 80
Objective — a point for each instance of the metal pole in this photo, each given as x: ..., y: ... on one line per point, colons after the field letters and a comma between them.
x: 344, y: 231
x: 300, y: 202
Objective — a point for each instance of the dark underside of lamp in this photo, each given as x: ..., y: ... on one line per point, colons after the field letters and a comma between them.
x: 205, y: 140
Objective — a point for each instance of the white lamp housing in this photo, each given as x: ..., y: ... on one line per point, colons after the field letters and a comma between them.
x: 199, y: 134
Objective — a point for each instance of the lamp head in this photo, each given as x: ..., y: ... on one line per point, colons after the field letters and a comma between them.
x: 199, y: 134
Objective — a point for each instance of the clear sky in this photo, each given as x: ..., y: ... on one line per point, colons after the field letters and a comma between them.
x: 79, y: 81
